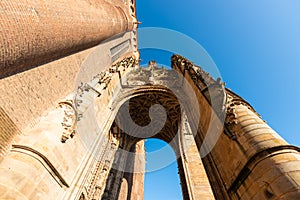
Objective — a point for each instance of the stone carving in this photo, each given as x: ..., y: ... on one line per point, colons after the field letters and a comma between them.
x: 153, y: 75
x: 69, y: 120
x: 85, y: 92
x: 197, y: 73
x: 139, y: 109
x: 73, y: 112
x: 125, y: 63
x: 82, y: 197
x: 100, y: 172
x: 213, y: 90
x: 233, y: 100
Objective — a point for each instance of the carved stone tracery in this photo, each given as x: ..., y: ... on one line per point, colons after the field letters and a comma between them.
x: 140, y: 104
x: 99, y: 174
x: 139, y: 108
x: 74, y: 109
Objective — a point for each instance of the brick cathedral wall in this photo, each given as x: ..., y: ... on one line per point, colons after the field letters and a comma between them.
x: 35, y: 32
x: 8, y: 130
x: 25, y: 96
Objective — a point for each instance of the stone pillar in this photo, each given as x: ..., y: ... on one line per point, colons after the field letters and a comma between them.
x: 138, y: 175
x: 126, y: 179
x: 249, y: 160
x: 34, y: 32
x: 119, y: 168
x: 196, y: 179
x: 123, y: 190
x: 272, y: 170
x: 193, y: 178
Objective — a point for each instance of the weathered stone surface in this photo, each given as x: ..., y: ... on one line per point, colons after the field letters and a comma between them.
x: 81, y: 151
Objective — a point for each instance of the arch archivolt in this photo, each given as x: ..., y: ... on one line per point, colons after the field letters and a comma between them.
x: 137, y: 100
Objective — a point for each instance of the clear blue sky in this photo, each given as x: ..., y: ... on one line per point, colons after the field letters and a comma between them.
x: 256, y: 47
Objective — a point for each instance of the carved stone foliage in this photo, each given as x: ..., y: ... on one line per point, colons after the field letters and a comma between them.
x: 69, y: 120
x: 86, y: 92
x: 153, y: 75
x: 231, y: 121
x: 213, y: 90
x: 123, y: 64
x: 102, y: 80
x: 196, y: 72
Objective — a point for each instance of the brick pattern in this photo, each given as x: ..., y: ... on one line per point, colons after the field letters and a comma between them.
x: 34, y: 32
x: 69, y: 159
x: 26, y: 95
x: 8, y: 130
